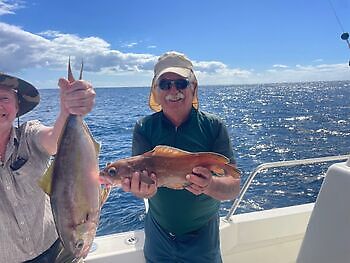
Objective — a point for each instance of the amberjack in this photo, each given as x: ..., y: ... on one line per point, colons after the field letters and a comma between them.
x: 72, y: 181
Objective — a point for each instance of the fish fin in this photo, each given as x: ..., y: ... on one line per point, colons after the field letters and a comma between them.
x: 225, y: 170
x: 45, y: 182
x: 104, y: 193
x: 97, y: 145
x: 218, y: 171
x: 70, y: 74
x: 146, y: 179
x: 231, y: 169
x: 216, y: 157
x: 162, y: 150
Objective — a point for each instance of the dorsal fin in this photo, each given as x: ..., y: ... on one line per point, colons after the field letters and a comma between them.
x: 162, y: 150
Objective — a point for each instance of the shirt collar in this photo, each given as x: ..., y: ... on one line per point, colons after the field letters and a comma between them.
x: 14, y: 140
x: 191, y: 115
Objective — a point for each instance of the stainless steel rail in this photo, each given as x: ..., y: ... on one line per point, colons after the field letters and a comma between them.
x: 265, y: 166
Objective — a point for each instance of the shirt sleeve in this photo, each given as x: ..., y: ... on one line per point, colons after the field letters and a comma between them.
x: 222, y: 143
x: 31, y: 131
x: 140, y: 144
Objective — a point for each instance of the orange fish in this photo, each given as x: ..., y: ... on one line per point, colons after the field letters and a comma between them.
x: 171, y: 165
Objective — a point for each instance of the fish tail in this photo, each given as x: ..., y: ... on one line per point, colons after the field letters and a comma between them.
x: 231, y: 170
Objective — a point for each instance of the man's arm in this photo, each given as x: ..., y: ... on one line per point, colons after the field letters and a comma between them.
x: 218, y: 187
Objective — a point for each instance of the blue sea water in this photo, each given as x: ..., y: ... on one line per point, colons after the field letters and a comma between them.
x: 266, y: 123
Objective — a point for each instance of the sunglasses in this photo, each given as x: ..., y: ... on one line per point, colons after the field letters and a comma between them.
x: 180, y: 84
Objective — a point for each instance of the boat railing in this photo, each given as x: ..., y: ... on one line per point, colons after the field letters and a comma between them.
x: 266, y: 166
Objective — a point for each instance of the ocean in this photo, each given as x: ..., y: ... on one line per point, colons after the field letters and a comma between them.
x: 266, y: 123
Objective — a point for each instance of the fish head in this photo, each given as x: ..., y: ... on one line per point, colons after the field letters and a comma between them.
x: 114, y: 172
x: 81, y: 239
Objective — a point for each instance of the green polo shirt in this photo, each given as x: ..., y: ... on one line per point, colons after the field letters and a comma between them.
x: 180, y: 211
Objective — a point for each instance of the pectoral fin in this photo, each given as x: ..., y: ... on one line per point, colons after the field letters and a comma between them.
x: 45, y: 181
x: 104, y: 193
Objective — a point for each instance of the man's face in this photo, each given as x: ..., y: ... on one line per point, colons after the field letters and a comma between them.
x: 8, y: 106
x: 173, y: 93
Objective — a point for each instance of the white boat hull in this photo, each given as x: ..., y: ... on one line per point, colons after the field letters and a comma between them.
x: 267, y: 236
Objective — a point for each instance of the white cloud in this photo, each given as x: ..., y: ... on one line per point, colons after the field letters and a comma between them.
x: 279, y: 66
x: 9, y: 6
x: 130, y: 45
x: 22, y: 50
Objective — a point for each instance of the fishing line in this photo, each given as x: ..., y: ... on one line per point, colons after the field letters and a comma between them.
x: 345, y: 35
x: 336, y: 16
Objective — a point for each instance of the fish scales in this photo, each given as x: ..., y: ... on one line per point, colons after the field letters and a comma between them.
x: 75, y: 188
x: 171, y: 165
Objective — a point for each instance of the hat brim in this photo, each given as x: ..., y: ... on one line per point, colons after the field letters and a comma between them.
x: 28, y: 96
x: 183, y: 72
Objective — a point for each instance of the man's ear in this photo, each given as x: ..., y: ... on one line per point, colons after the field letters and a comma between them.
x: 195, y: 85
x: 17, y: 104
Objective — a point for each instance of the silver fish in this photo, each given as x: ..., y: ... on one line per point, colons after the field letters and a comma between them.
x: 74, y: 187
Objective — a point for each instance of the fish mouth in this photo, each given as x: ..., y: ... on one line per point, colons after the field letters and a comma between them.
x: 105, y: 180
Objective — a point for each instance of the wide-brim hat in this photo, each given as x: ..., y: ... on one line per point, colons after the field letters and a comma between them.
x: 27, y: 95
x: 176, y: 63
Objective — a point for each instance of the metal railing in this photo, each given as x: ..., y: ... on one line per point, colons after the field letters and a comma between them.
x: 265, y: 166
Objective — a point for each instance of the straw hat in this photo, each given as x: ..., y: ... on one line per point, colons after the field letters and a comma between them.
x: 28, y: 96
x: 176, y: 63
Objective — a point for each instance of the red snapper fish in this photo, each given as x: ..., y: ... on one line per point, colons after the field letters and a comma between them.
x: 170, y: 165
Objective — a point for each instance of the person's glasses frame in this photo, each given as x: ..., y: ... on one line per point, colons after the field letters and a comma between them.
x: 180, y: 84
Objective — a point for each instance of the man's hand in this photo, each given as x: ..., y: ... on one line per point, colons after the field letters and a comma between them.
x: 200, y: 179
x: 77, y: 97
x: 139, y: 188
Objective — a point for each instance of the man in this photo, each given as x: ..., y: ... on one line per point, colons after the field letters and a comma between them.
x: 181, y: 225
x: 27, y: 229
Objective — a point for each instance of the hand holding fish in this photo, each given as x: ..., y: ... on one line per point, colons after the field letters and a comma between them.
x: 77, y: 97
x: 200, y: 180
x: 171, y: 167
x: 135, y: 185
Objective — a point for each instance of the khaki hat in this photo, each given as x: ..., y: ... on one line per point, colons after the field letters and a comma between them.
x: 28, y: 96
x: 176, y: 63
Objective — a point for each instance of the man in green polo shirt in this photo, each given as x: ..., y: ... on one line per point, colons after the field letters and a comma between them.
x: 181, y: 225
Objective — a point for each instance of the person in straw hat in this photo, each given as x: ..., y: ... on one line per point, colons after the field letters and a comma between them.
x: 27, y: 229
x: 181, y: 225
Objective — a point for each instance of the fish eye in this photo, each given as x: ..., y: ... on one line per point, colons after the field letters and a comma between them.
x: 79, y: 244
x: 112, y: 171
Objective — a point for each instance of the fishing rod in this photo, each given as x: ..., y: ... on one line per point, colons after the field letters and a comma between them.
x: 345, y: 35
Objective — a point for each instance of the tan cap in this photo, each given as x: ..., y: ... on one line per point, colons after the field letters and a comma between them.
x: 174, y: 62
x: 27, y: 95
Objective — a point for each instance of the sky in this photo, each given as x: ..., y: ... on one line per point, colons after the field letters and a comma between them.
x: 228, y: 41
